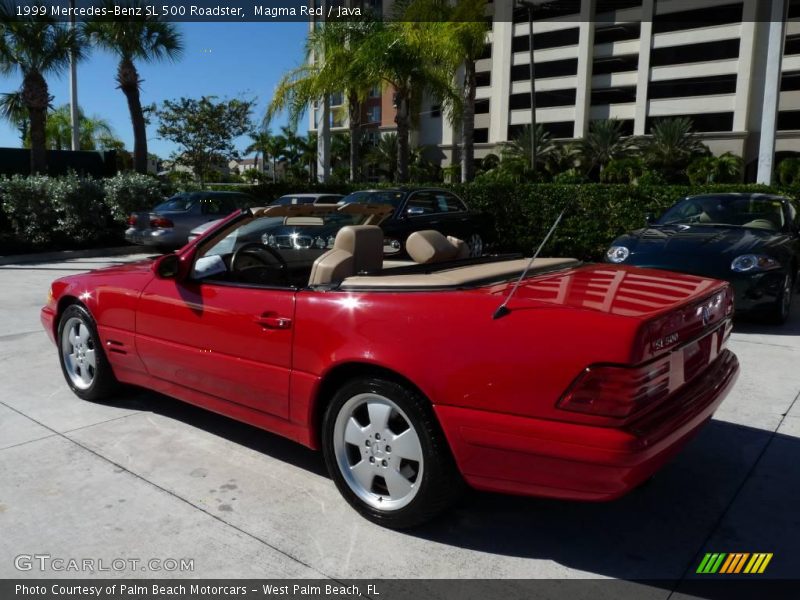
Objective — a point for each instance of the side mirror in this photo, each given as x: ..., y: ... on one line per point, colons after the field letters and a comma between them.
x: 168, y: 266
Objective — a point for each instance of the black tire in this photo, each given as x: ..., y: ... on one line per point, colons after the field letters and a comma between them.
x: 476, y: 245
x: 439, y: 484
x: 782, y: 308
x: 102, y: 381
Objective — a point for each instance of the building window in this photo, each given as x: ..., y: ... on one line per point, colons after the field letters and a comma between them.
x: 487, y: 51
x: 375, y: 91
x: 337, y: 99
x: 792, y: 45
x: 374, y: 114
x: 694, y: 53
x: 543, y: 99
x: 790, y: 82
x: 618, y: 95
x: 694, y: 86
x: 788, y: 120
x: 483, y: 79
x: 482, y: 107
x: 552, y: 68
x: 606, y: 6
x: 617, y: 33
x: 480, y: 135
x: 698, y: 18
x: 559, y: 129
x: 548, y: 39
x: 703, y: 123
x: 615, y: 64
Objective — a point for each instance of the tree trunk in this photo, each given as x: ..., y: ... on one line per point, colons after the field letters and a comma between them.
x: 274, y: 172
x: 403, y: 131
x: 354, y: 109
x: 468, y: 125
x: 36, y: 97
x: 128, y: 79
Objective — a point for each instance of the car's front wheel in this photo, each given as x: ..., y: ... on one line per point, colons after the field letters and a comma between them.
x: 783, y: 305
x: 387, y: 455
x: 80, y: 352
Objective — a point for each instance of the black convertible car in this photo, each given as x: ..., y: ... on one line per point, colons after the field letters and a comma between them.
x: 415, y: 209
x: 751, y: 240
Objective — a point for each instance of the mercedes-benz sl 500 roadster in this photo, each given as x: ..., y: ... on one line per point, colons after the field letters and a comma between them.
x: 404, y: 373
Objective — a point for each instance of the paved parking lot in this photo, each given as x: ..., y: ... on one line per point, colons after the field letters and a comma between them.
x: 149, y: 477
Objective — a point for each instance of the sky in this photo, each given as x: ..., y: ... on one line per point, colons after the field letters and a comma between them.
x: 221, y: 59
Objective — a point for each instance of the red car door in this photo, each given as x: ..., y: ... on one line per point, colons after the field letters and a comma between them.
x: 230, y: 341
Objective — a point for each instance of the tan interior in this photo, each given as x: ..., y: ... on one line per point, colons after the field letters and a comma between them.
x: 357, y: 248
x: 429, y: 246
x: 459, y: 276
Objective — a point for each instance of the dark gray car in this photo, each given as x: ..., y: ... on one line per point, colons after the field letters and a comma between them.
x: 168, y: 225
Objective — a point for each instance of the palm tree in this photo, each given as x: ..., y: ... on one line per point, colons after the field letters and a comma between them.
x: 36, y: 46
x: 726, y: 168
x: 384, y: 156
x: 140, y: 38
x: 331, y: 67
x: 275, y: 148
x: 459, y: 32
x: 518, y: 150
x: 673, y: 145
x: 397, y: 53
x: 13, y: 110
x: 605, y: 142
x: 259, y: 145
x: 95, y: 132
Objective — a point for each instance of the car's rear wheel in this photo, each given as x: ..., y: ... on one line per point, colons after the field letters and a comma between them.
x: 387, y: 455
x: 475, y: 243
x: 783, y: 306
x: 80, y: 352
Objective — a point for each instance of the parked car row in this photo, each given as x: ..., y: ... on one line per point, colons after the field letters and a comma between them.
x: 750, y: 240
x: 184, y: 217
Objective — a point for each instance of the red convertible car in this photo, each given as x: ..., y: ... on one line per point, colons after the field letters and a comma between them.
x: 399, y: 372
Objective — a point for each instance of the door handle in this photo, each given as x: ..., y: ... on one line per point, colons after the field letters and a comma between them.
x: 273, y: 322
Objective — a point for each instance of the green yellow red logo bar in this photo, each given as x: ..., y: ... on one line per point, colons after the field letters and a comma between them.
x: 734, y: 562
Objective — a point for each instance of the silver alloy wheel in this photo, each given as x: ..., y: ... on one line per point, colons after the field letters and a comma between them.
x: 786, y: 298
x: 475, y: 244
x: 378, y: 451
x: 78, y: 353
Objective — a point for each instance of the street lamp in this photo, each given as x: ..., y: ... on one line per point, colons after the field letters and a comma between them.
x: 73, y: 87
x: 532, y: 71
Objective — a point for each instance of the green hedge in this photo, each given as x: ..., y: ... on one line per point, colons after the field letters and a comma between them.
x: 41, y: 212
x: 67, y: 212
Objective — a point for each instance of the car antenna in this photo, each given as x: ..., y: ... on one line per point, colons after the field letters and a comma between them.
x: 503, y: 310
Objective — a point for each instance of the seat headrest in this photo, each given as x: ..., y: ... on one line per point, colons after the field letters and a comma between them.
x: 365, y: 243
x: 430, y: 246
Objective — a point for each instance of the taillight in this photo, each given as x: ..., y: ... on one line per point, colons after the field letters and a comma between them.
x: 161, y: 222
x: 612, y: 391
x: 132, y: 220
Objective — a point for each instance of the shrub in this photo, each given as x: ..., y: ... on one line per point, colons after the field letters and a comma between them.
x: 63, y: 210
x: 129, y: 192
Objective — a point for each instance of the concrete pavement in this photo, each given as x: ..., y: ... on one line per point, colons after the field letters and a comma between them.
x: 147, y: 477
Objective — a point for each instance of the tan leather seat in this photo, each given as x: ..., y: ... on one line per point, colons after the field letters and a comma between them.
x: 357, y: 249
x: 429, y: 246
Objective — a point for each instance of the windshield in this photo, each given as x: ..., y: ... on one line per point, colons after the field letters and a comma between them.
x: 176, y: 203
x: 283, y: 200
x: 733, y: 211
x: 391, y: 197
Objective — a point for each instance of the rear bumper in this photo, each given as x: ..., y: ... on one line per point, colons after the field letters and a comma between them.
x: 155, y: 237
x: 519, y: 455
